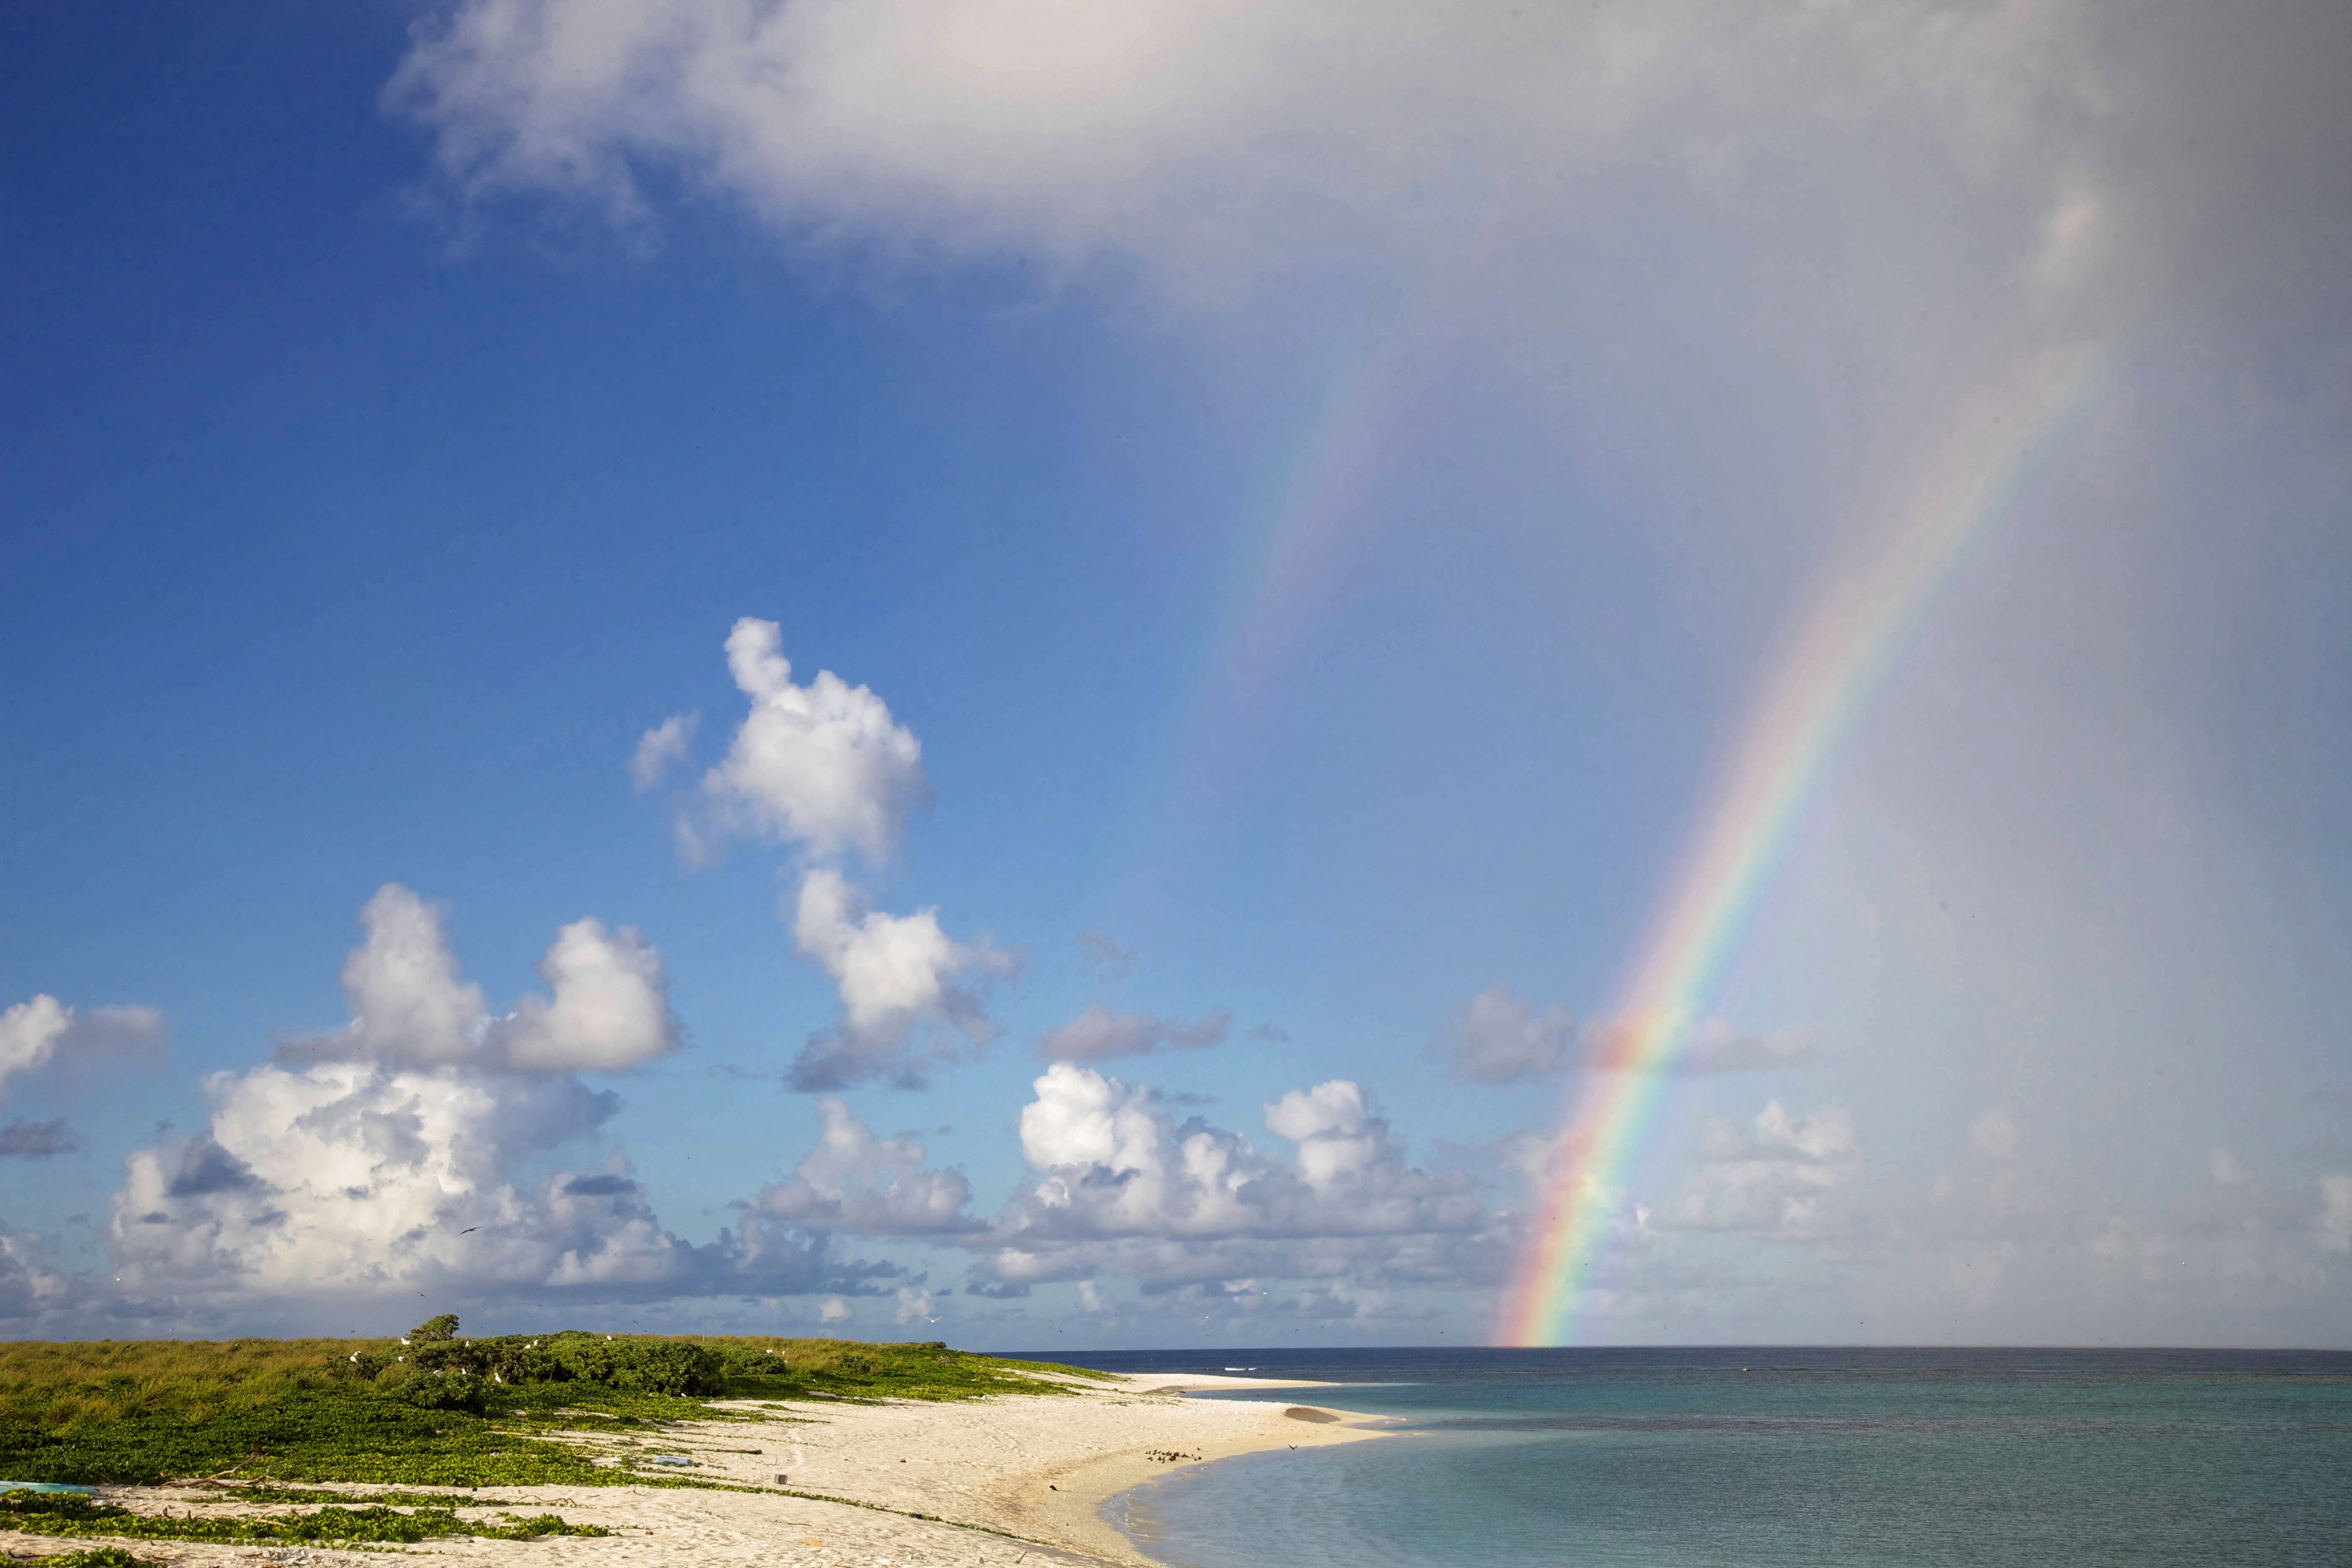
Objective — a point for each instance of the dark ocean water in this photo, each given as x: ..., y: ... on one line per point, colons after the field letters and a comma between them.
x: 1778, y: 1457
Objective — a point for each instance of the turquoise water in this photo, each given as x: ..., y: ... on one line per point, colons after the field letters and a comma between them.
x: 1779, y: 1457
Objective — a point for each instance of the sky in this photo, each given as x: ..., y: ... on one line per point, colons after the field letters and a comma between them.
x: 1186, y: 674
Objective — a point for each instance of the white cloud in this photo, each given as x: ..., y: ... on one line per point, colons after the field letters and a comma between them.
x: 44, y: 1031
x: 657, y: 748
x: 352, y: 1175
x: 411, y: 1005
x: 877, y: 1187
x: 29, y: 1033
x: 610, y: 1008
x: 1769, y: 1178
x: 1097, y: 1034
x: 410, y: 1001
x: 1816, y: 1135
x: 357, y: 1178
x: 1120, y: 1187
x: 835, y: 1310
x: 822, y: 766
x: 1211, y: 136
x: 911, y: 996
x: 914, y: 1307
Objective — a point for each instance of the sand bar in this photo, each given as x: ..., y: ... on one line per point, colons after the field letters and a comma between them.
x: 1036, y: 1468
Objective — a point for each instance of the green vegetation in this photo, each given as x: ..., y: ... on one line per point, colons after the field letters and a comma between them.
x: 438, y: 1411
x: 88, y: 1557
x: 71, y: 1514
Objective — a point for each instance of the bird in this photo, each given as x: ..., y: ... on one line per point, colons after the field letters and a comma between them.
x: 469, y: 1230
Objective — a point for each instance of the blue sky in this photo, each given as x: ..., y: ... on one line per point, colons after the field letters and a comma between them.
x: 1319, y: 497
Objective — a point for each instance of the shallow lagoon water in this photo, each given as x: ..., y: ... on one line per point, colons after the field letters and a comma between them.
x: 1760, y: 1456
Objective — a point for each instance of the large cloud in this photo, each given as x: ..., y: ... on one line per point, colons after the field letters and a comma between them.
x: 823, y: 767
x: 1120, y: 1187
x: 387, y: 1157
x: 911, y: 996
x: 853, y: 1181
x: 411, y: 1005
x: 357, y: 1176
x: 353, y: 1179
x: 1193, y: 130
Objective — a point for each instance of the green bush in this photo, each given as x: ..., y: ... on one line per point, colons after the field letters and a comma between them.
x: 644, y: 1365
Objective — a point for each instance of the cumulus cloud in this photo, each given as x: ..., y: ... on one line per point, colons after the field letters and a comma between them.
x: 354, y: 1177
x: 1119, y: 1186
x: 823, y: 767
x: 877, y: 1187
x: 911, y: 996
x: 659, y: 747
x: 43, y: 1031
x: 355, y: 1174
x: 1097, y: 1034
x: 609, y: 1007
x: 411, y: 1005
x: 25, y: 1139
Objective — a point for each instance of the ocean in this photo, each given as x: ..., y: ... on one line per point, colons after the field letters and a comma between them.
x: 1757, y: 1457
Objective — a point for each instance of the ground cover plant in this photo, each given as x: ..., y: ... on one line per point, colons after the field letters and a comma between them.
x: 87, y: 1557
x: 432, y: 1408
x: 72, y: 1514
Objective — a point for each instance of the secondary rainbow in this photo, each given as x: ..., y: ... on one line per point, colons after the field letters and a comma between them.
x: 1805, y: 708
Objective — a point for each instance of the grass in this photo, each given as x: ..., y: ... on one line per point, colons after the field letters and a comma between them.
x: 433, y: 1413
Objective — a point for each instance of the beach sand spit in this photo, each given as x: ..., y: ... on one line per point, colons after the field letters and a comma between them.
x: 1031, y: 1471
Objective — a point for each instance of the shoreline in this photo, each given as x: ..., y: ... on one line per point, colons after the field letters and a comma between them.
x: 1074, y: 1511
x: 995, y: 1482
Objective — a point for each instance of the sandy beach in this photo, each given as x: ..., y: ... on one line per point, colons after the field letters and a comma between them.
x: 996, y: 1481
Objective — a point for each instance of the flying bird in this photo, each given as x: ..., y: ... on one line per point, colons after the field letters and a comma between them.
x: 469, y: 1230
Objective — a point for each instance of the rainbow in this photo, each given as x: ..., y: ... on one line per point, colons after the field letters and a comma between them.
x: 1807, y: 706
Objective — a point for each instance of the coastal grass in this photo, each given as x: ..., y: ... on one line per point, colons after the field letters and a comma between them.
x: 436, y: 1410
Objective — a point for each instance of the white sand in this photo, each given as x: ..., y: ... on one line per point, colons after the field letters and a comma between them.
x: 1035, y: 1466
